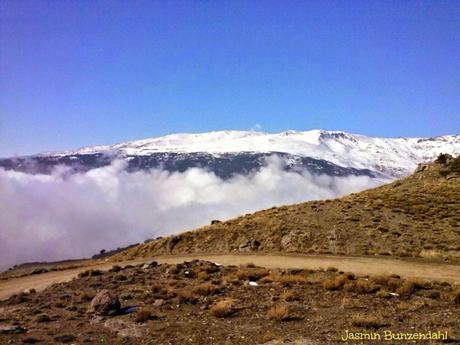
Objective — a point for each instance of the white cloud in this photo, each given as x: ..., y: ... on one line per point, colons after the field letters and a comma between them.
x: 61, y: 216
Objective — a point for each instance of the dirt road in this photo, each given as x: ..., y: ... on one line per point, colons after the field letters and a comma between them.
x: 358, y: 265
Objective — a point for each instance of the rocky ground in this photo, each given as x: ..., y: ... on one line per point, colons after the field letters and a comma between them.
x: 202, y: 303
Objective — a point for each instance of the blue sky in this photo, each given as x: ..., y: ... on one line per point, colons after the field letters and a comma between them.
x: 75, y: 73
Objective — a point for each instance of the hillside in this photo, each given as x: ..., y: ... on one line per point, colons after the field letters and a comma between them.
x: 418, y: 216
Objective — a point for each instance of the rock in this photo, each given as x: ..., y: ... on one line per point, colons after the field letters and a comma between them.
x: 149, y: 265
x: 12, y: 330
x: 105, y: 303
x: 96, y: 319
x: 125, y: 328
x: 172, y: 242
x: 158, y: 302
x: 215, y: 221
x: 255, y: 244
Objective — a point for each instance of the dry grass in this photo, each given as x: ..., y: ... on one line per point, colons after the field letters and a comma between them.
x: 290, y: 279
x: 367, y: 321
x: 203, y: 276
x: 204, y: 289
x: 335, y: 283
x: 223, y: 308
x: 185, y: 295
x: 289, y: 295
x: 278, y: 313
x: 406, y: 289
x: 143, y: 315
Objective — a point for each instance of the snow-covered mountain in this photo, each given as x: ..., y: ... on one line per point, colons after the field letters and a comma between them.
x: 229, y: 152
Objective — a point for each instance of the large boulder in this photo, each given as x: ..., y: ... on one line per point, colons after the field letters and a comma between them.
x: 105, y: 303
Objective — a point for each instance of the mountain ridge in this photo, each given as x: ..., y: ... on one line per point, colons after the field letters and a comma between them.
x: 384, y: 157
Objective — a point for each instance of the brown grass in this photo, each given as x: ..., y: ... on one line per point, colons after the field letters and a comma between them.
x: 143, y: 315
x: 406, y: 289
x: 223, y: 308
x: 185, y: 295
x: 367, y: 321
x: 335, y: 283
x: 289, y: 295
x: 204, y: 289
x: 278, y: 313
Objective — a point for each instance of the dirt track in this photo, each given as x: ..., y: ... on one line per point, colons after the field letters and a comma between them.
x: 358, y: 265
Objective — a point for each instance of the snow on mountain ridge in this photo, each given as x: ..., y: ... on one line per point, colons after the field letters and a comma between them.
x: 393, y: 156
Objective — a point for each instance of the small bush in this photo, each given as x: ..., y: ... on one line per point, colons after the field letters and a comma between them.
x: 383, y: 294
x: 203, y: 276
x: 278, y: 313
x: 288, y: 279
x: 289, y: 295
x: 144, y: 315
x: 365, y: 286
x: 335, y: 283
x: 223, y: 308
x: 204, y: 289
x: 406, y: 289
x: 185, y: 295
x: 367, y: 321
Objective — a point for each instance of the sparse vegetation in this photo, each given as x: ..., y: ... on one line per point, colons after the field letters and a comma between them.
x: 173, y: 307
x: 223, y: 308
x: 278, y: 313
x: 367, y: 321
x: 204, y: 289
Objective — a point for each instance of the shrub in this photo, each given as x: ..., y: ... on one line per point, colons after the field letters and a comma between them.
x: 143, y: 315
x: 335, y: 283
x: 365, y: 286
x: 367, y: 321
x: 242, y: 274
x: 184, y: 295
x: 288, y: 279
x: 406, y: 289
x: 383, y: 294
x: 223, y: 308
x: 289, y: 295
x: 278, y: 313
x: 204, y: 289
x: 203, y: 276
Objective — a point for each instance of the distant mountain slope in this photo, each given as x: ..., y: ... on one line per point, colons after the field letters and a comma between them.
x: 418, y: 216
x: 230, y: 152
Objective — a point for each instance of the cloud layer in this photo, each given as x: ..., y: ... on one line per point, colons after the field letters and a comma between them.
x: 63, y: 215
